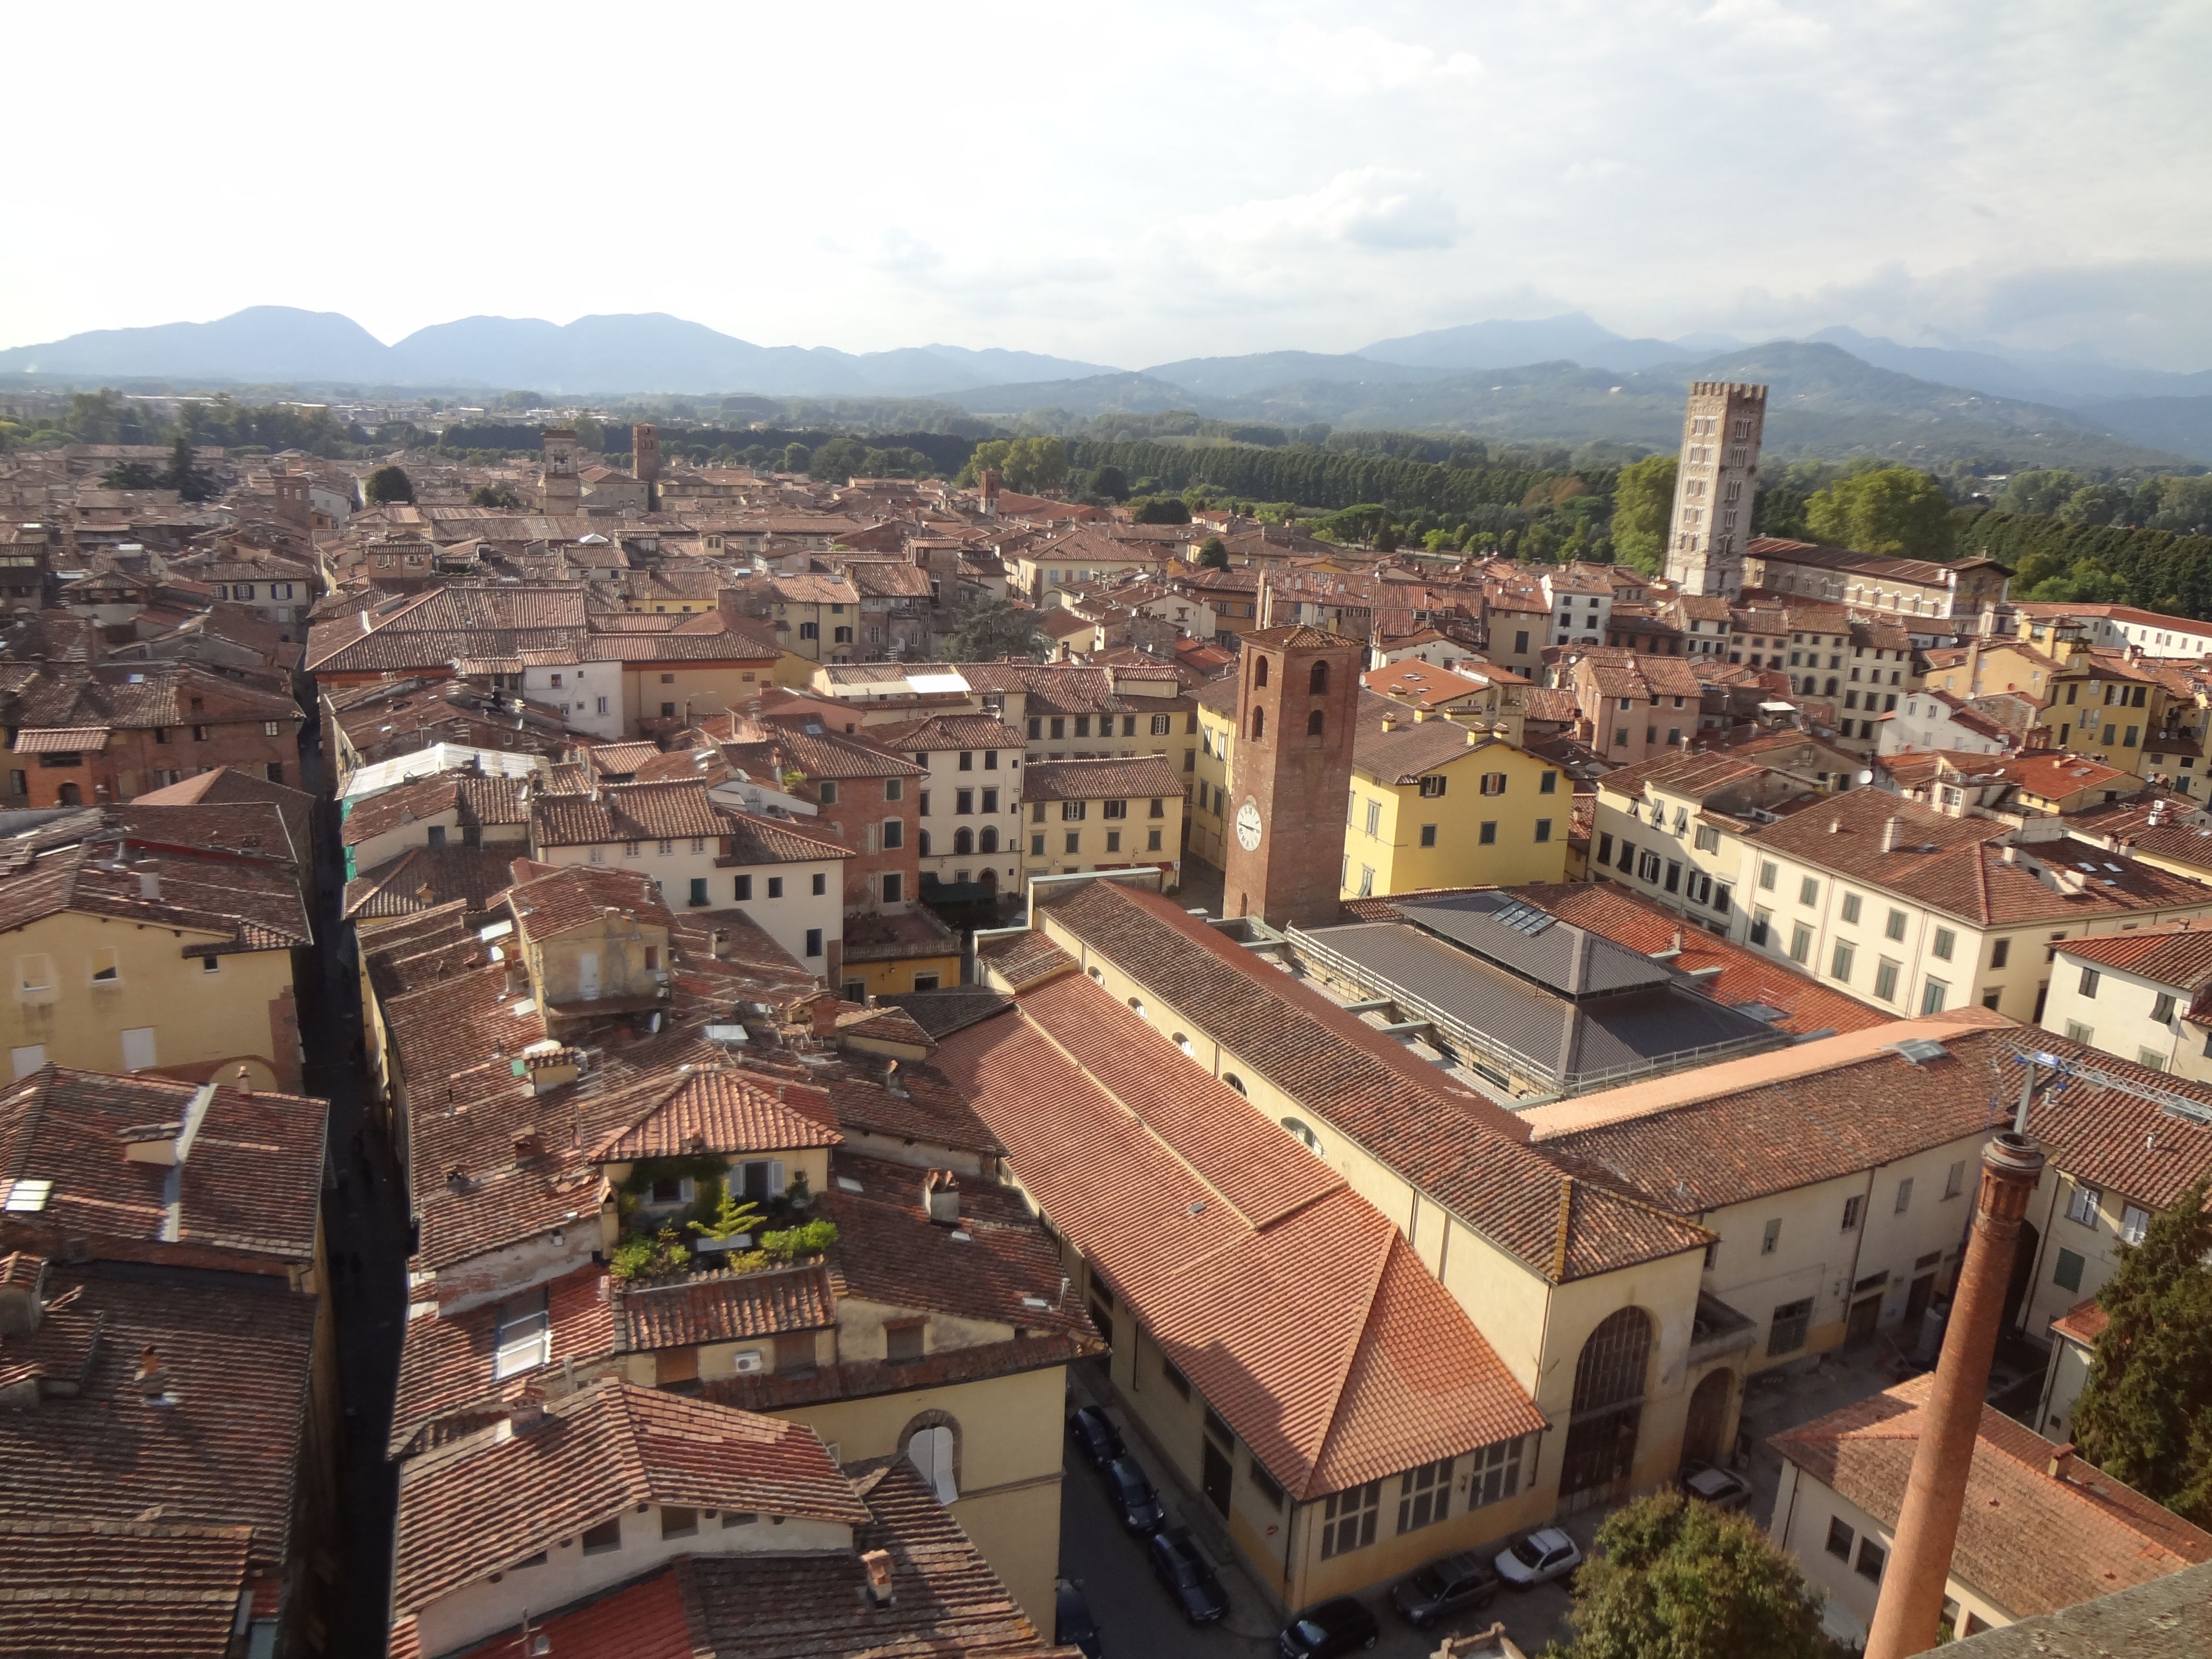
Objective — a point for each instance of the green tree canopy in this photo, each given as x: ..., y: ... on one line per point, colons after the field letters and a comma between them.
x: 1160, y: 509
x: 1674, y: 1578
x: 993, y: 629
x: 1899, y: 512
x: 183, y: 473
x: 132, y: 475
x: 494, y: 495
x: 1641, y: 499
x: 1213, y: 554
x: 797, y: 458
x: 2145, y: 1416
x: 2100, y: 503
x: 2042, y: 491
x: 386, y: 483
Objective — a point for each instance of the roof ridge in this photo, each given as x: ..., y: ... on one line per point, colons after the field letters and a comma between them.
x: 1393, y: 1240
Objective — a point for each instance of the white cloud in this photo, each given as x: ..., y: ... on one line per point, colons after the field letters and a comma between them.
x: 1367, y: 207
x: 1362, y: 59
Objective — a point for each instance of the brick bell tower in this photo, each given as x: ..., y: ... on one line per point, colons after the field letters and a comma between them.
x: 1296, y: 695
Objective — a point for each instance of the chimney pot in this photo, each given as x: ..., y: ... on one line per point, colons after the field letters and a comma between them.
x: 1890, y: 831
x: 878, y: 1565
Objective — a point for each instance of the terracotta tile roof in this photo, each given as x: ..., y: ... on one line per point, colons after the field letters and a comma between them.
x: 772, y: 1605
x: 626, y: 812
x: 1023, y: 959
x: 1948, y: 865
x: 1135, y: 777
x: 2030, y: 1541
x: 136, y: 696
x: 251, y: 1180
x: 2179, y: 953
x: 545, y: 905
x: 719, y: 1110
x: 721, y: 1307
x: 821, y: 755
x: 928, y: 1113
x: 1408, y: 748
x: 2083, y: 1322
x: 769, y: 841
x: 645, y: 1619
x: 1453, y: 1143
x: 2120, y: 1141
x: 1744, y: 1129
x: 1006, y: 1271
x: 941, y: 732
x: 70, y: 864
x: 1296, y: 1307
x: 223, y: 1452
x: 121, y: 1589
x: 474, y: 1507
x: 429, y: 877
x: 447, y: 1363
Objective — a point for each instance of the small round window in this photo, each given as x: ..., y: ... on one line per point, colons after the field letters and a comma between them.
x: 1183, y: 1044
x: 1137, y: 1006
x: 1233, y: 1081
x: 1304, y: 1134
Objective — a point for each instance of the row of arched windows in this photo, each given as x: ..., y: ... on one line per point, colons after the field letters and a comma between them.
x: 966, y: 841
x: 1314, y: 722
x: 1316, y: 682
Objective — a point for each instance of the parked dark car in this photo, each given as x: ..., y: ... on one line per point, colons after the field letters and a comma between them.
x: 1321, y: 1632
x: 1187, y: 1574
x: 1073, y: 1626
x: 1724, y: 1489
x: 1132, y: 1495
x: 1092, y: 1430
x: 1450, y: 1584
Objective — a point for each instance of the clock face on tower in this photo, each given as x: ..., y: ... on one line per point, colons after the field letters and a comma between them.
x: 1248, y: 825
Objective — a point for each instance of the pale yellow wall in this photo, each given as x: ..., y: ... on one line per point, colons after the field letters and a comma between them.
x: 710, y: 688
x: 199, y: 1017
x: 1814, y: 1257
x: 368, y: 854
x: 1009, y: 1434
x: 2097, y: 1243
x: 1217, y: 733
x: 617, y: 944
x: 1092, y: 830
x: 1536, y: 1328
x: 1401, y: 864
x: 1803, y: 1508
x: 890, y: 978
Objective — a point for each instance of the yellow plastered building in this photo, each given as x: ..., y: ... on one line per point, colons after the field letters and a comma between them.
x: 1436, y: 804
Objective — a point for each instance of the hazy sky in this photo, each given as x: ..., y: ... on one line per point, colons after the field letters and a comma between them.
x: 1128, y: 184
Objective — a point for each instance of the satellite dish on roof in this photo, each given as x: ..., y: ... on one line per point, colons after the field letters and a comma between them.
x: 1865, y: 774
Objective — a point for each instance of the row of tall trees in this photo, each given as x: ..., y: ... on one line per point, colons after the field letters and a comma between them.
x: 1316, y: 478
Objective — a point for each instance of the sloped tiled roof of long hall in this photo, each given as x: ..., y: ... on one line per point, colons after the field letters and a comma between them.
x: 1470, y: 1155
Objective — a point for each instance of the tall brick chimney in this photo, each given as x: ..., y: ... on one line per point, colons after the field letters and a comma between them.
x: 1906, y: 1618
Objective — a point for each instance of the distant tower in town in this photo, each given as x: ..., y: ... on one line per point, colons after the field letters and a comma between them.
x: 1714, y: 487
x: 645, y: 461
x: 1295, y: 698
x: 560, y: 490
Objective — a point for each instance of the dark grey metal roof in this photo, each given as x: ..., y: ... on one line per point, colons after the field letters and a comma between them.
x: 1535, y: 943
x: 2168, y: 1617
x: 1573, y: 1043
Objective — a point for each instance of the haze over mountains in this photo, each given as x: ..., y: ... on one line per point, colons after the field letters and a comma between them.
x: 1566, y: 377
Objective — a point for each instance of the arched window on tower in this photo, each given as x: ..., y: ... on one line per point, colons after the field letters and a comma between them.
x: 1260, y: 718
x: 964, y: 843
x: 1317, y: 683
x: 987, y: 839
x: 1260, y: 671
x: 1313, y: 721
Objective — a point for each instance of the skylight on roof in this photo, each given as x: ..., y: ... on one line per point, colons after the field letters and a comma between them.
x: 1921, y: 1050
x: 1523, y: 918
x: 27, y: 1195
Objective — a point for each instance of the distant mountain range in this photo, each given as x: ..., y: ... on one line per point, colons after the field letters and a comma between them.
x: 1563, y: 379
x: 639, y: 353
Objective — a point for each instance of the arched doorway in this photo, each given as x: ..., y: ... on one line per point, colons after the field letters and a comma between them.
x: 69, y: 795
x: 1608, y: 1410
x: 1703, y: 1433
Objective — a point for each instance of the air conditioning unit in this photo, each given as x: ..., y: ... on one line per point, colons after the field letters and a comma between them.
x: 745, y: 1361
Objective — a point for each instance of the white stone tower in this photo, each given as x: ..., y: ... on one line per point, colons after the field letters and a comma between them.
x: 1714, y: 487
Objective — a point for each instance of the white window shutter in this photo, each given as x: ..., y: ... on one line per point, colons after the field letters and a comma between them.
x: 930, y: 1451
x: 776, y: 1183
